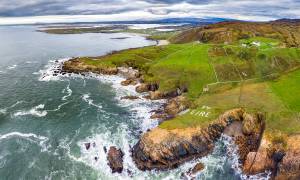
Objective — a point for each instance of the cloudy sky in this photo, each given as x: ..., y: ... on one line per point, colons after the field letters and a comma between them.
x: 32, y: 11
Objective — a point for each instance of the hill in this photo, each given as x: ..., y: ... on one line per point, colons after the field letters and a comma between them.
x: 286, y: 30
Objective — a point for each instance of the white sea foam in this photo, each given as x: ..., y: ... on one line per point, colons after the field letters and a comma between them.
x: 35, y: 111
x: 12, y: 67
x: 40, y: 140
x: 68, y: 92
x: 4, y: 110
x: 87, y: 98
x: 22, y: 135
x: 51, y: 71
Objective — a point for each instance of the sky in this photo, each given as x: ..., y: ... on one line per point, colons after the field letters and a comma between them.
x: 50, y: 11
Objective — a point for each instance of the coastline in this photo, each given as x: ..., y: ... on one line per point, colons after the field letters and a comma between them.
x: 143, y: 94
x: 249, y: 132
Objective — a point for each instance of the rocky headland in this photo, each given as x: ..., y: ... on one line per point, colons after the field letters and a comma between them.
x: 263, y: 145
x: 163, y: 149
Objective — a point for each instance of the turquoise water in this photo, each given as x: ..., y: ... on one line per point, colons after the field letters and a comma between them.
x: 45, y: 120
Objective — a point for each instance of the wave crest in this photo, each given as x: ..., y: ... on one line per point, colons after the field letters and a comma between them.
x: 35, y: 111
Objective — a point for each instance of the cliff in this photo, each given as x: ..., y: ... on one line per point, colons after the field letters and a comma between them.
x: 165, y: 149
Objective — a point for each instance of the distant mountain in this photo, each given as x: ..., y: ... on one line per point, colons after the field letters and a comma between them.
x: 287, y: 21
x: 191, y: 21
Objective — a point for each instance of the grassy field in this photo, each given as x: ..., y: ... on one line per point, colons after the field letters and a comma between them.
x: 287, y: 88
x: 254, y: 97
x: 259, y: 78
x: 170, y: 66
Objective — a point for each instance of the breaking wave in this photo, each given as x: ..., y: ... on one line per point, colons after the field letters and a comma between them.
x: 87, y: 98
x: 35, y: 111
x: 52, y: 70
x: 12, y: 67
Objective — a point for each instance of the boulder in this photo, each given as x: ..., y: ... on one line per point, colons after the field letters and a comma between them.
x: 115, y: 159
x: 155, y: 95
x: 87, y: 146
x: 197, y: 168
x: 144, y: 87
x: 130, y: 97
x: 129, y: 73
x: 128, y: 82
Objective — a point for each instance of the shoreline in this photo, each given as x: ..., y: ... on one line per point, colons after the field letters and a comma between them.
x: 180, y: 153
x: 147, y: 90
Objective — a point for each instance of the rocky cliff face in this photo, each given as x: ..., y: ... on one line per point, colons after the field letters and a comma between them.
x: 164, y: 149
x: 289, y: 168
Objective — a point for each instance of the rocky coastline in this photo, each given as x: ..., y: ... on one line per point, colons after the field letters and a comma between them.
x: 163, y: 149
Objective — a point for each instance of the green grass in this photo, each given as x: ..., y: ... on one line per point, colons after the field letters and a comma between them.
x: 194, y: 65
x: 255, y: 97
x: 287, y: 88
x: 188, y: 67
x: 193, y: 118
x: 171, y: 66
x: 264, y: 42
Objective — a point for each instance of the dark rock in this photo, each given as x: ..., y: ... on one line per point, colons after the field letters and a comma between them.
x: 105, y: 149
x: 129, y: 172
x: 87, y: 146
x: 128, y: 82
x: 130, y: 97
x: 198, y: 167
x: 146, y: 87
x: 115, y: 159
x: 278, y: 156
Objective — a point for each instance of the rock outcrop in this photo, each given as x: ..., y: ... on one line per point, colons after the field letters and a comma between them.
x: 164, y: 149
x: 77, y: 66
x: 197, y: 168
x: 129, y: 73
x: 128, y: 82
x: 279, y: 155
x: 289, y: 168
x: 115, y: 159
x: 144, y: 87
x: 172, y: 107
x: 130, y: 97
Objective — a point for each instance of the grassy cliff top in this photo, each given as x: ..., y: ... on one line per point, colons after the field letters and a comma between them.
x: 258, y: 73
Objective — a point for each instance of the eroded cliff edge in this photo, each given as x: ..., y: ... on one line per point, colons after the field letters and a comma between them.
x: 163, y: 149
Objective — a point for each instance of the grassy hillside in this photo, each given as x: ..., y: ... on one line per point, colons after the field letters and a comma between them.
x: 231, y: 32
x: 259, y: 73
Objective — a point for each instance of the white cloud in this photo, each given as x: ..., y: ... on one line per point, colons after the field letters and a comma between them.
x: 104, y: 10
